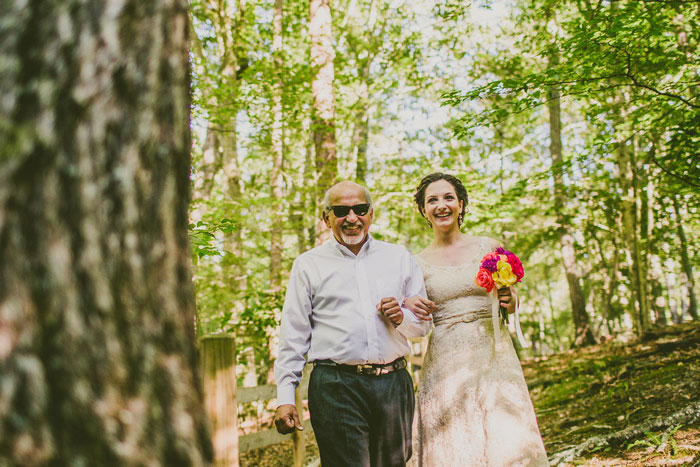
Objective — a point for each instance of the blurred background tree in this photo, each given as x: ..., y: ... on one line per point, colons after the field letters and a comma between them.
x: 573, y: 125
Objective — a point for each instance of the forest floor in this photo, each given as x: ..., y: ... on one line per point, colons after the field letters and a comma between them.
x: 613, y: 404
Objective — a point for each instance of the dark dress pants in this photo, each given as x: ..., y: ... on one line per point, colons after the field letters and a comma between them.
x: 360, y: 420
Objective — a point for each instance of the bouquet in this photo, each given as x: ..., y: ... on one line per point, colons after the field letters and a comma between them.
x: 501, y: 269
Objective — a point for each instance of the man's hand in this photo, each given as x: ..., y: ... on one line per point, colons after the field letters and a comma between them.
x: 421, y: 307
x: 507, y: 298
x: 286, y: 419
x: 389, y: 307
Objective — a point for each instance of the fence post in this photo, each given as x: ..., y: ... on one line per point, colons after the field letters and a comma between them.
x: 218, y: 366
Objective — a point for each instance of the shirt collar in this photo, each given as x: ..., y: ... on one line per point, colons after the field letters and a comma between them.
x: 345, y: 251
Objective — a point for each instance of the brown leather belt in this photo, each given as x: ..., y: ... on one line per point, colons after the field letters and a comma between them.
x: 368, y: 369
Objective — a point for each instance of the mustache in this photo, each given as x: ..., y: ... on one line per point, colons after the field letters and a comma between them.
x: 353, y: 224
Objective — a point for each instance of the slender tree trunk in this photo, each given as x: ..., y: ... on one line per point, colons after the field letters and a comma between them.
x: 97, y: 354
x: 211, y: 154
x: 276, y: 180
x: 360, y: 137
x: 204, y: 181
x: 609, y: 282
x: 583, y: 333
x: 277, y: 147
x: 657, y: 302
x: 630, y: 227
x: 687, y: 279
x: 323, y: 122
x: 227, y: 26
x: 550, y: 302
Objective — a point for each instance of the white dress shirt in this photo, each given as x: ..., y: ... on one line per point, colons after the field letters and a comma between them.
x: 330, y: 309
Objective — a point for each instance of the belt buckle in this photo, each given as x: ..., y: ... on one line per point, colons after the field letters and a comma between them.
x: 368, y: 370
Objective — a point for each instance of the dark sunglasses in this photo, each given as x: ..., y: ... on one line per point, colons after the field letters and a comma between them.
x: 342, y: 211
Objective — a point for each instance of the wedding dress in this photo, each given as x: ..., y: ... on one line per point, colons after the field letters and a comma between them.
x: 473, y: 406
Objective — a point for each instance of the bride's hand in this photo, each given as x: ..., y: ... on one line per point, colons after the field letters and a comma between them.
x: 507, y: 298
x: 421, y: 307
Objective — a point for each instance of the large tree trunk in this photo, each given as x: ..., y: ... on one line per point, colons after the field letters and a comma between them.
x: 687, y: 275
x: 583, y: 333
x: 97, y: 356
x: 323, y: 121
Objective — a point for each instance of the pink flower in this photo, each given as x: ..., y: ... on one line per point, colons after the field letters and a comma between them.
x: 484, y: 279
x: 516, y: 266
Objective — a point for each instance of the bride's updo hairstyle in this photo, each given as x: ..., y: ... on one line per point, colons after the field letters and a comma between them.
x: 462, y: 195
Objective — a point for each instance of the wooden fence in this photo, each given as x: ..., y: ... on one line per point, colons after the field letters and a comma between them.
x: 222, y: 396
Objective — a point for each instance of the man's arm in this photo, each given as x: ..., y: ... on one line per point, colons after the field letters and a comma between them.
x: 295, y: 339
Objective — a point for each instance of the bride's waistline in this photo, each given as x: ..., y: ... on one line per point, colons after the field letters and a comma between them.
x: 464, y: 318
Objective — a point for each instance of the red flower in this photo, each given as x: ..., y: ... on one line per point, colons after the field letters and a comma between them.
x: 484, y: 279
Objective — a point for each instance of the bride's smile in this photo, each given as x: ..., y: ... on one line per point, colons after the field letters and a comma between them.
x: 442, y: 206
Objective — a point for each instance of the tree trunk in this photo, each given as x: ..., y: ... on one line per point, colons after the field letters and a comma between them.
x: 323, y: 122
x: 360, y: 137
x: 211, y: 154
x: 204, y: 180
x: 583, y: 333
x: 687, y: 279
x: 227, y: 25
x: 277, y: 148
x: 657, y: 303
x: 97, y: 353
x: 625, y: 163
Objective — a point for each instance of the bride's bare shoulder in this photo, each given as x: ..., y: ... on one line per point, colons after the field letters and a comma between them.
x: 489, y: 243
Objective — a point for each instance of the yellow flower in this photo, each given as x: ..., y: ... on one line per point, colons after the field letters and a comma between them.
x: 504, y: 277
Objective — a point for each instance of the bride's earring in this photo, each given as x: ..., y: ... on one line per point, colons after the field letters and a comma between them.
x: 429, y: 224
x: 460, y: 219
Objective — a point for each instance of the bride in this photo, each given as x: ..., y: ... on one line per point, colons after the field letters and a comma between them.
x: 473, y: 406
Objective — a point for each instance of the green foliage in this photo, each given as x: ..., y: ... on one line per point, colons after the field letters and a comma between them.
x: 658, y: 441
x: 441, y: 90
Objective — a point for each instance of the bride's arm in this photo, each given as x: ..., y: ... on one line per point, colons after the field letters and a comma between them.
x: 420, y: 306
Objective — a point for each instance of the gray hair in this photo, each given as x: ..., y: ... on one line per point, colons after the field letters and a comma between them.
x: 326, y: 203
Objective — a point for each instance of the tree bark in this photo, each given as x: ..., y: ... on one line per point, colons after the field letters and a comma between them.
x: 211, y: 154
x: 583, y: 333
x: 277, y: 147
x: 657, y: 303
x: 625, y: 163
x: 204, y: 179
x: 323, y: 122
x: 228, y: 23
x: 687, y: 275
x: 97, y: 353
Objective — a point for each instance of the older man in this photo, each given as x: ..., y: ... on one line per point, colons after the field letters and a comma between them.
x: 342, y: 312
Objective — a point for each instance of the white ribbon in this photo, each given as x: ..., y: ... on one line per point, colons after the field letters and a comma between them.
x: 518, y: 331
x: 495, y: 319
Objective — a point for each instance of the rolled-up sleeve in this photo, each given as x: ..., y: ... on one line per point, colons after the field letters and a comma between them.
x: 295, y: 335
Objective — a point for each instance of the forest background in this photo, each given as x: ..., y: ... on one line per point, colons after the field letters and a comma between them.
x: 573, y: 125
